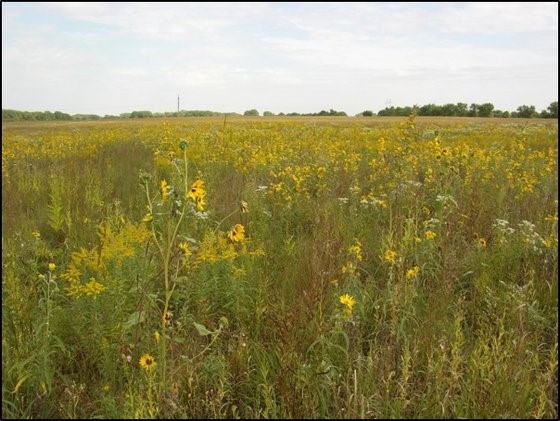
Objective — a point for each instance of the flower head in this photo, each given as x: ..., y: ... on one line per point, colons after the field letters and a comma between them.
x: 412, y: 272
x: 147, y: 362
x: 347, y: 301
x: 197, y: 194
x: 356, y: 250
x: 430, y: 235
x: 164, y: 189
x: 390, y: 256
x: 237, y: 234
x: 184, y: 247
x: 52, y: 267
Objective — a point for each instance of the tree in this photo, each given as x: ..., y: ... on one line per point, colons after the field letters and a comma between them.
x: 141, y: 114
x: 473, y: 110
x: 553, y: 109
x: 367, y: 113
x: 485, y: 110
x: 268, y: 114
x: 252, y: 112
x: 462, y: 109
x: 526, y: 111
x: 449, y: 110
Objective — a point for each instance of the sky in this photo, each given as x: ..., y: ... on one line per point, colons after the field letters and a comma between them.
x: 111, y: 58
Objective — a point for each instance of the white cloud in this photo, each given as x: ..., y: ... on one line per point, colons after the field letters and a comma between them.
x: 299, y: 56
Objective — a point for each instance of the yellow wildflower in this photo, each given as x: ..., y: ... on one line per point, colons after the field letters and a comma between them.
x: 197, y: 194
x: 147, y: 362
x: 347, y: 301
x: 164, y: 189
x: 430, y: 235
x: 184, y: 247
x: 197, y: 189
x: 93, y: 287
x: 200, y: 203
x: 390, y: 256
x: 356, y: 250
x: 412, y: 272
x: 237, y: 234
x: 52, y: 267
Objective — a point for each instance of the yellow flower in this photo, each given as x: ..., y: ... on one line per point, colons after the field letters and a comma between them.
x: 184, y: 247
x: 197, y: 189
x: 481, y: 242
x: 430, y: 235
x: 147, y: 362
x: 36, y: 234
x: 347, y: 300
x: 412, y: 272
x: 197, y: 194
x: 237, y: 234
x: 390, y: 256
x: 164, y: 189
x: 356, y: 250
x: 52, y: 267
x: 200, y: 203
x: 93, y: 287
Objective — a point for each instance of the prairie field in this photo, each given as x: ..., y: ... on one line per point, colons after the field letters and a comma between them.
x: 280, y: 268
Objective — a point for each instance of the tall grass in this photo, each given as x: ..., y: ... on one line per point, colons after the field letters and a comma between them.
x: 388, y: 269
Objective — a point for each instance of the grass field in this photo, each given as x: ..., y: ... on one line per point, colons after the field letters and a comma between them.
x: 280, y: 268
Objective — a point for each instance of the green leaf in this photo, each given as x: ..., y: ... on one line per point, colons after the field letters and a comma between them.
x: 202, y: 331
x: 134, y: 319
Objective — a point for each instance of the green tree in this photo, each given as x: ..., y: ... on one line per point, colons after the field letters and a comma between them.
x: 485, y: 110
x: 473, y: 110
x: 367, y: 113
x: 526, y: 111
x: 553, y: 109
x: 252, y: 112
x: 462, y: 109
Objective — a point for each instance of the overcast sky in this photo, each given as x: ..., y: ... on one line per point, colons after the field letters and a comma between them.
x: 109, y: 58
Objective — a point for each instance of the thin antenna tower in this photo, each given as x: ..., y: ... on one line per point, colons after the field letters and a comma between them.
x: 388, y: 103
x: 177, y: 103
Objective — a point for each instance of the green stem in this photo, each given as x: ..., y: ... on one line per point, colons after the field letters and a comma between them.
x: 169, y: 291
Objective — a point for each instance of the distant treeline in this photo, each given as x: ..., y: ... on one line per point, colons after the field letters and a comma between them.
x: 462, y: 109
x: 14, y: 115
x: 449, y: 110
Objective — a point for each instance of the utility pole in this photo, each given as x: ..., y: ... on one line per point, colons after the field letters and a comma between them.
x: 177, y: 103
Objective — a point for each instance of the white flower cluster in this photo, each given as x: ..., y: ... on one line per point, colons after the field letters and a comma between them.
x: 531, y: 237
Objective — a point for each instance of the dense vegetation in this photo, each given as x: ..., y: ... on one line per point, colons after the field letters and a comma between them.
x: 296, y: 268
